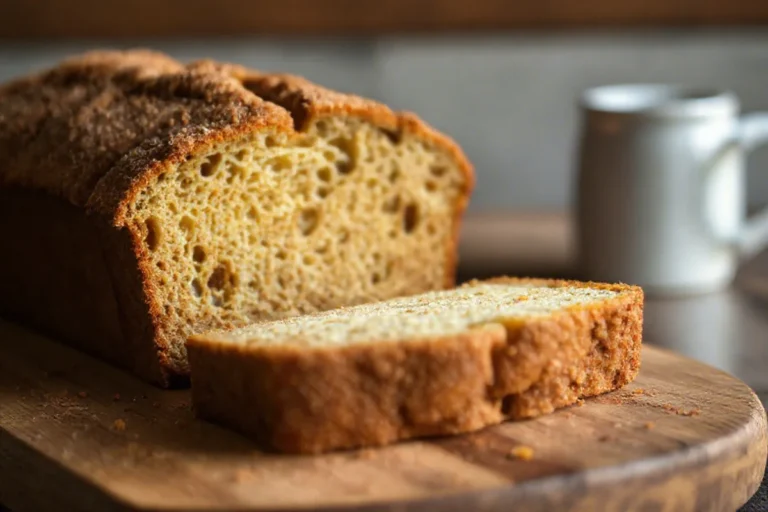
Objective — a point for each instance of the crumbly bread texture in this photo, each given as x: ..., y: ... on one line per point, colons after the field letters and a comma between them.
x: 172, y: 199
x: 438, y: 363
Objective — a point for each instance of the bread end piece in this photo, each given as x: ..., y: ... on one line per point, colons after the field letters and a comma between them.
x: 296, y: 399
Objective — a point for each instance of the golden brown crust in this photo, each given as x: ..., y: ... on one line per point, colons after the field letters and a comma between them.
x: 109, y: 121
x: 98, y: 128
x: 313, y: 400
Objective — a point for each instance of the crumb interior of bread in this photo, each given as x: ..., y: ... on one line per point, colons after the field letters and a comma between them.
x: 426, y: 315
x: 276, y: 225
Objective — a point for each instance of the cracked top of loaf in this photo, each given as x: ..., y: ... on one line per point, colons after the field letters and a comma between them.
x: 97, y: 128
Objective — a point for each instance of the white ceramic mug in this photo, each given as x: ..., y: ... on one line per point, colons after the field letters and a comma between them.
x: 661, y: 187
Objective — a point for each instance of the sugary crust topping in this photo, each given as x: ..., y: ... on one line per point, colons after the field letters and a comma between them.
x: 311, y: 401
x: 96, y: 128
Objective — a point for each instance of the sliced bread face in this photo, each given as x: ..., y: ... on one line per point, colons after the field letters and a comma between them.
x: 209, y: 196
x: 439, y: 363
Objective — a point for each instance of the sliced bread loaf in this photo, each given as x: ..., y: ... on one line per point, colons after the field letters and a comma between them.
x: 143, y: 200
x: 439, y: 363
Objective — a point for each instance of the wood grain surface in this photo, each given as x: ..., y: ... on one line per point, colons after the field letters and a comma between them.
x: 194, y: 18
x: 75, y: 434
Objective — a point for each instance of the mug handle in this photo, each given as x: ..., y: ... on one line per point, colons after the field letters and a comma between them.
x: 752, y: 133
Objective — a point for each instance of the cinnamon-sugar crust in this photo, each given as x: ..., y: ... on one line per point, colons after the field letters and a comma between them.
x: 301, y: 400
x: 97, y: 129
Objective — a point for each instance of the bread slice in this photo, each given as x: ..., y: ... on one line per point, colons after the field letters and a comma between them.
x: 439, y: 363
x: 145, y: 200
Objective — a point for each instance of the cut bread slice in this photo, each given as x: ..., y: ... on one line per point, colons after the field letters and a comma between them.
x: 439, y: 363
x: 173, y: 199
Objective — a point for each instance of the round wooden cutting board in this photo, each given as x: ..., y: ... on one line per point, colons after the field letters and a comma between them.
x: 76, y: 434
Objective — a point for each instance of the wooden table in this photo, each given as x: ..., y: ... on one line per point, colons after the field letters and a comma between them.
x: 728, y: 330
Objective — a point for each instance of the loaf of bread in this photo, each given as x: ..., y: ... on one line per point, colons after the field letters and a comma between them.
x: 142, y: 200
x: 438, y: 363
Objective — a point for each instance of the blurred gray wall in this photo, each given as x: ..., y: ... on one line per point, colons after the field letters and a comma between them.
x: 507, y: 99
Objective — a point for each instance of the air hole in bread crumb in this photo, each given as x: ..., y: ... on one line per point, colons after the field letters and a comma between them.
x: 271, y: 141
x: 321, y: 127
x: 198, y: 254
x: 430, y: 185
x: 307, y: 142
x: 394, y: 175
x: 154, y: 233
x: 197, y: 288
x: 210, y: 165
x: 323, y: 192
x: 252, y: 213
x: 438, y: 170
x: 343, y: 167
x: 222, y: 283
x: 325, y: 174
x: 347, y: 147
x: 281, y: 254
x: 309, y: 259
x: 343, y: 236
x: 431, y: 229
x: 187, y: 225
x: 308, y: 220
x: 161, y: 178
x: 375, y: 278
x: 242, y: 154
x: 372, y: 182
x: 410, y: 217
x: 391, y: 205
x: 235, y: 171
x: 392, y: 136
x: 279, y: 163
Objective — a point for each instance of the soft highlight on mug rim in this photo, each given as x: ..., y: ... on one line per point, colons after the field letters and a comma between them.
x: 659, y: 100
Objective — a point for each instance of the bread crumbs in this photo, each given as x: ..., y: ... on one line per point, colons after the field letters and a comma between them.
x: 579, y: 403
x: 649, y: 425
x: 638, y: 391
x: 521, y: 453
x: 181, y: 405
x: 118, y: 425
x: 680, y: 411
